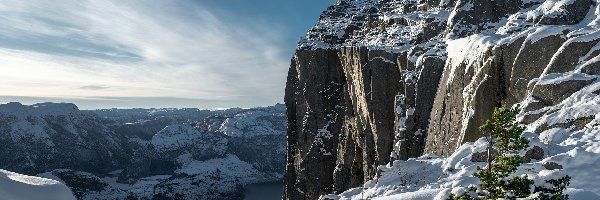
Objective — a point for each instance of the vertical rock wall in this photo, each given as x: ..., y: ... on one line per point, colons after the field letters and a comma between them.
x: 378, y: 80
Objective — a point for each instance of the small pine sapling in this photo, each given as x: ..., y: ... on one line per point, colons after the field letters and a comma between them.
x: 504, y: 136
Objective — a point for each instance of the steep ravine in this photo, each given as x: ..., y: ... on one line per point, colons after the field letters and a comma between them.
x: 379, y: 80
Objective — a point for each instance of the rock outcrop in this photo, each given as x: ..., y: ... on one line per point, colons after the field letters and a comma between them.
x: 376, y: 80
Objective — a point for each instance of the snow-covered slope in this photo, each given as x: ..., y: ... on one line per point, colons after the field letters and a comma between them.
x: 14, y: 186
x: 431, y: 177
x: 255, y: 122
x: 183, y: 138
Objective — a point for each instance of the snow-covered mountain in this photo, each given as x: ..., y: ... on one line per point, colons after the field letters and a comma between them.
x: 145, y: 153
x: 379, y: 82
x: 43, y: 137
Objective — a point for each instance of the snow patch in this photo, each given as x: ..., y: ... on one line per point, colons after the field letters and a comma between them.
x: 14, y: 186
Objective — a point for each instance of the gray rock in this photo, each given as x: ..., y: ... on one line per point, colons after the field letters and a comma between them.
x: 592, y: 68
x: 552, y: 94
x: 571, y: 14
x: 552, y: 166
x: 530, y: 62
x: 534, y: 153
x: 483, y: 156
x: 569, y: 57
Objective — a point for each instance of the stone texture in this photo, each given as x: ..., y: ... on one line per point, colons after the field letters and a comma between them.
x: 534, y: 153
x: 571, y: 52
x: 532, y: 59
x: 592, y: 68
x: 414, y: 106
x: 374, y: 75
x: 553, y: 94
x: 315, y: 109
x: 552, y: 166
x: 455, y: 111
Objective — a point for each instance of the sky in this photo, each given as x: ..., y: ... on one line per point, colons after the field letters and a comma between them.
x: 150, y: 53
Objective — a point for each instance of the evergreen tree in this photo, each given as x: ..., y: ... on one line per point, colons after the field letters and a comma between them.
x: 497, y: 179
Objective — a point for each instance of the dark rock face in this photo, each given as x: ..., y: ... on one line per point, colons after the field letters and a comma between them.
x: 314, y: 99
x: 469, y: 98
x: 530, y: 62
x: 387, y: 80
x: 341, y: 125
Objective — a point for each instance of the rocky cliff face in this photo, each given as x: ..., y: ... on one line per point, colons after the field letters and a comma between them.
x: 380, y: 80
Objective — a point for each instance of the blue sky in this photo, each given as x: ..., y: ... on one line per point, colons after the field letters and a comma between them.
x: 180, y: 53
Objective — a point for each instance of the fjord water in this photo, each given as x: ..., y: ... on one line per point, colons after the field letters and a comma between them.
x: 264, y: 191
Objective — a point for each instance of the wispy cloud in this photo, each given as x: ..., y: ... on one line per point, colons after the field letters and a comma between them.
x: 94, y: 87
x: 173, y: 49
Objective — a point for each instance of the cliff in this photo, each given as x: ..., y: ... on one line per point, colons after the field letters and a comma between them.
x: 378, y: 80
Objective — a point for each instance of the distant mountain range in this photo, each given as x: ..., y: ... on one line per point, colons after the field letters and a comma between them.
x: 145, y: 153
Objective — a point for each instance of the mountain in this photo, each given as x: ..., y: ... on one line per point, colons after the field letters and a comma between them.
x: 145, y: 153
x: 378, y: 82
x: 43, y: 137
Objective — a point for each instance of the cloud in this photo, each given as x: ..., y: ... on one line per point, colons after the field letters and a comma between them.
x: 94, y: 87
x: 175, y: 49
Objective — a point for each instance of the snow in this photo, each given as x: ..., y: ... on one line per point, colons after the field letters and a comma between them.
x: 184, y: 136
x: 465, y: 51
x: 557, y: 78
x: 230, y: 166
x: 332, y: 32
x: 550, y: 8
x: 426, y: 194
x: 583, y: 103
x: 145, y: 186
x: 254, y: 123
x: 14, y: 186
x: 30, y: 122
x: 429, y: 177
x: 383, y: 59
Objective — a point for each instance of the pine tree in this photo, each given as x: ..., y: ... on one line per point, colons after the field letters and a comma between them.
x: 504, y: 136
x: 497, y: 178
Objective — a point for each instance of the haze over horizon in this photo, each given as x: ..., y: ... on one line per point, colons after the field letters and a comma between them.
x: 162, y: 54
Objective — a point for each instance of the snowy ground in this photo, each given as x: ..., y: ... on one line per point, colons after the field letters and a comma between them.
x: 430, y: 177
x: 15, y: 186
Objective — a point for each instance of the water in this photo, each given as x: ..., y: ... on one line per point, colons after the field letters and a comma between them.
x: 264, y: 191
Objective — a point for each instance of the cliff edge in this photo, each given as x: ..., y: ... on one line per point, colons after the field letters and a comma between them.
x: 376, y: 81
